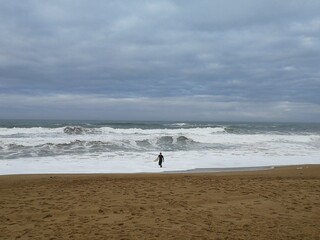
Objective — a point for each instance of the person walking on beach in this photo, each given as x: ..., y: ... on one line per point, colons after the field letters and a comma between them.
x: 161, y: 159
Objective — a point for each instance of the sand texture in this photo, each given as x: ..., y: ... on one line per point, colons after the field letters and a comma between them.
x: 283, y: 203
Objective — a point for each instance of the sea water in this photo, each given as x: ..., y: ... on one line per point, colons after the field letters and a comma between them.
x: 42, y: 146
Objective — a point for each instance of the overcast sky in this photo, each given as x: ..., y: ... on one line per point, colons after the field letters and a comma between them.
x: 246, y: 60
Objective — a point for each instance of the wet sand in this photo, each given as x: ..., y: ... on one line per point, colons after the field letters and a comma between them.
x: 281, y: 203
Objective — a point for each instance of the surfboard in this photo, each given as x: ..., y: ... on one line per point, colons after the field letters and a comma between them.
x: 156, y: 160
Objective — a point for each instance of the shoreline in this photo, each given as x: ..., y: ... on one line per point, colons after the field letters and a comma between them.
x: 278, y: 203
x: 226, y: 170
x: 193, y: 170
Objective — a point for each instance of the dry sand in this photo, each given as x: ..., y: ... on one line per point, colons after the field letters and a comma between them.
x: 283, y: 203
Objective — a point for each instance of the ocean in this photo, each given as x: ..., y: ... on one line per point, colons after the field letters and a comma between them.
x: 52, y: 146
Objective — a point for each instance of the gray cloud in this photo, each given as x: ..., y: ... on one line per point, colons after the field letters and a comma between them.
x: 203, y: 107
x: 263, y: 52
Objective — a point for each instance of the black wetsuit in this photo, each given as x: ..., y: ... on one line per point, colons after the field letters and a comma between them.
x: 161, y: 159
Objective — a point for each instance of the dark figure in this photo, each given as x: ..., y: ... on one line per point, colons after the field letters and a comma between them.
x: 161, y: 159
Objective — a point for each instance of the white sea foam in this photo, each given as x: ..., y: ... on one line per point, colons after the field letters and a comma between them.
x: 110, y: 149
x: 138, y: 162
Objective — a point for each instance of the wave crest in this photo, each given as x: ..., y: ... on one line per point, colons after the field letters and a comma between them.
x: 74, y: 130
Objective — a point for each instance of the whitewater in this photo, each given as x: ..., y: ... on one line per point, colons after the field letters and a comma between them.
x: 38, y: 146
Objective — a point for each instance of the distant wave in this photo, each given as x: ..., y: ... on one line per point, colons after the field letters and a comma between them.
x: 179, y: 124
x: 194, y: 125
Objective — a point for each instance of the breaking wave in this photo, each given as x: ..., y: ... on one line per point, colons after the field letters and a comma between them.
x: 122, y: 138
x: 74, y: 130
x: 78, y: 147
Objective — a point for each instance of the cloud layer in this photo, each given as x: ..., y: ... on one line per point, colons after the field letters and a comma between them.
x: 246, y: 54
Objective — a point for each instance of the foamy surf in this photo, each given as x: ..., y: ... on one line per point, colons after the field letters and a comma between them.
x: 103, y: 147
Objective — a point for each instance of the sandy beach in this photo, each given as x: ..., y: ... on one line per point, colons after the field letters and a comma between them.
x: 282, y: 203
